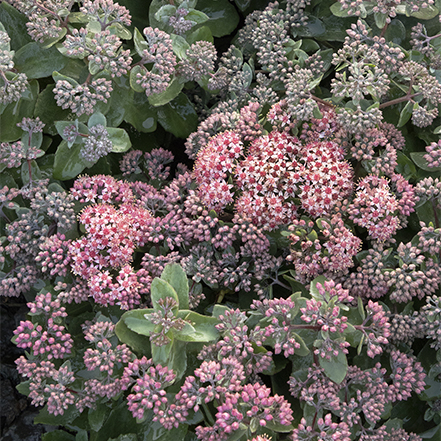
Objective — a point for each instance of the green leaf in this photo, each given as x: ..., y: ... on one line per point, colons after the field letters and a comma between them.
x: 38, y: 62
x: 281, y: 428
x: 178, y: 116
x: 157, y: 432
x: 223, y: 17
x: 405, y: 114
x: 133, y: 78
x: 200, y: 34
x: 141, y: 114
x: 57, y: 435
x: 14, y: 23
x: 44, y: 417
x: 314, y: 27
x: 164, y: 13
x: 238, y: 434
x: 137, y: 321
x: 303, y: 350
x: 98, y: 416
x: 338, y: 11
x: 81, y: 435
x: 219, y: 310
x: 361, y: 308
x: 426, y: 13
x: 313, y: 287
x: 121, y: 98
x: 162, y: 354
x: 137, y: 342
x: 418, y: 158
x: 335, y: 368
x: 172, y: 91
x: 176, y: 277
x: 34, y: 171
x: 68, y: 163
x: 120, y: 422
x: 204, y: 326
x: 96, y: 119
x: 197, y: 16
x: 120, y: 31
x: 395, y: 32
x: 140, y: 43
x: 126, y: 437
x: 48, y: 111
x: 180, y: 46
x: 380, y: 19
x: 160, y: 289
x: 16, y: 111
x: 120, y: 139
x: 49, y: 42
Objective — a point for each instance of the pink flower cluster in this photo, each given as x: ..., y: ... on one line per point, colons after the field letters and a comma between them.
x: 375, y: 208
x: 49, y: 339
x: 277, y: 169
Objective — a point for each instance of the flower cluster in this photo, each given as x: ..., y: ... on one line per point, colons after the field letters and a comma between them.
x: 321, y: 247
x: 97, y: 144
x: 159, y: 55
x: 433, y: 156
x: 367, y: 392
x: 278, y: 168
x: 375, y: 208
x: 199, y: 61
x: 82, y: 98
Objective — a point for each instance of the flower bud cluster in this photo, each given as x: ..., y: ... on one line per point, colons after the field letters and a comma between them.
x: 324, y: 247
x: 199, y: 61
x: 376, y: 208
x: 433, y: 156
x: 366, y: 392
x: 50, y: 341
x: 279, y: 330
x: 48, y: 384
x: 97, y: 144
x: 102, y: 50
x: 238, y: 343
x: 160, y: 55
x: 106, y: 356
x: 416, y: 276
x: 82, y: 98
x: 12, y: 84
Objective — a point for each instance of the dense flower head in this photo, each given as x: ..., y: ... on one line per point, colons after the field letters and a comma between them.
x: 101, y: 188
x: 279, y: 330
x: 105, y: 355
x: 375, y: 207
x: 97, y: 144
x: 276, y: 169
x: 82, y: 98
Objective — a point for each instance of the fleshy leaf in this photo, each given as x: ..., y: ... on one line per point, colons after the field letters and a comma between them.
x: 335, y: 368
x: 120, y: 139
x: 160, y: 289
x: 176, y: 277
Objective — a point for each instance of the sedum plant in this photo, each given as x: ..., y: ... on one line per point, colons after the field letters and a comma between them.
x: 283, y: 280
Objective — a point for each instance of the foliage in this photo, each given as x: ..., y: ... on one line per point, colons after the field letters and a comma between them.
x: 289, y: 286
